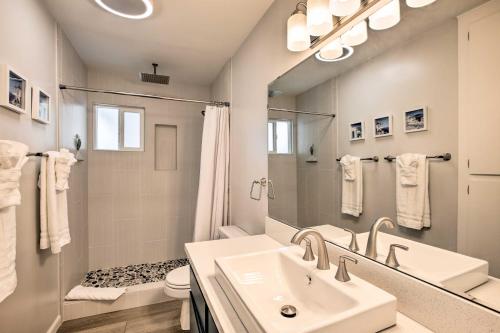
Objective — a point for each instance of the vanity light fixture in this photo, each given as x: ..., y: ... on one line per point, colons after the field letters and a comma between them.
x: 357, y: 35
x: 386, y: 17
x: 148, y: 10
x: 297, y: 34
x: 419, y: 3
x: 319, y: 18
x: 334, y: 51
x: 344, y: 7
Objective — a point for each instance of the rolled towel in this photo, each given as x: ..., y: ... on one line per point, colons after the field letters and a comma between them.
x: 94, y: 294
x: 12, y: 159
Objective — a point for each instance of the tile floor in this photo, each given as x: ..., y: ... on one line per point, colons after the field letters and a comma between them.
x: 156, y: 318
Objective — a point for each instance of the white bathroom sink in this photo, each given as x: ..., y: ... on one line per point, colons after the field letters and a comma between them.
x: 259, y: 284
x: 444, y: 268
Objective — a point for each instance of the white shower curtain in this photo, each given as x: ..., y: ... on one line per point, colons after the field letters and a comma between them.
x: 212, y: 207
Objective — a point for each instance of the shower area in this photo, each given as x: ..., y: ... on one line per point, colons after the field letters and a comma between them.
x: 143, y: 157
x: 302, y: 145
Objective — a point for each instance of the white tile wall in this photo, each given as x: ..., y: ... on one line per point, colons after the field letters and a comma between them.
x: 138, y: 214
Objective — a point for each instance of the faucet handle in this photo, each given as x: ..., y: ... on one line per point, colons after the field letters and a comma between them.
x: 391, y: 260
x: 353, y: 246
x: 308, y: 255
x: 342, y: 275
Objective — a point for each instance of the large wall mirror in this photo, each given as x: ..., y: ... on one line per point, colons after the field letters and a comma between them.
x: 405, y: 127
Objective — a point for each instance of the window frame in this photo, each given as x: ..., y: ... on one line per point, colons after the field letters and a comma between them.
x: 121, y: 138
x: 291, y: 146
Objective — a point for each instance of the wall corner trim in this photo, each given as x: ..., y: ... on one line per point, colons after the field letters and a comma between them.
x: 55, y: 325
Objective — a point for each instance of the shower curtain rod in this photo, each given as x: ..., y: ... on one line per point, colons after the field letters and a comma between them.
x: 123, y: 93
x: 303, y: 112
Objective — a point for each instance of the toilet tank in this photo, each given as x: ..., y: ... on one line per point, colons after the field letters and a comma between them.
x: 231, y: 231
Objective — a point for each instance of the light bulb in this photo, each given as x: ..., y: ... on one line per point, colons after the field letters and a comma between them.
x: 357, y: 35
x: 344, y: 7
x: 418, y: 3
x: 332, y: 50
x: 319, y: 18
x: 386, y: 17
x: 297, y: 35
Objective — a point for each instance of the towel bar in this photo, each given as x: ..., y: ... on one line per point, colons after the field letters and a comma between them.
x: 444, y: 157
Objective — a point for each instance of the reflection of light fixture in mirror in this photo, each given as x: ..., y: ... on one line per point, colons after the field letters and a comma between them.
x: 386, y: 17
x: 319, y: 18
x: 148, y: 10
x: 297, y: 35
x: 344, y: 7
x: 346, y: 52
x: 357, y: 35
x: 418, y: 3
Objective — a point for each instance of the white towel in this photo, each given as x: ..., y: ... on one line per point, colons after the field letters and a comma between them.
x: 352, y: 185
x: 53, y: 182
x: 95, y: 294
x: 12, y: 159
x: 412, y: 191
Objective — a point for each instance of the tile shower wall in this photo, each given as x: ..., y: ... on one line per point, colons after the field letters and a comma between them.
x: 282, y: 170
x: 137, y: 214
x: 317, y: 193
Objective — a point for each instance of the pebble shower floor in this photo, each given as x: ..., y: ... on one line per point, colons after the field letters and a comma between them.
x: 131, y: 275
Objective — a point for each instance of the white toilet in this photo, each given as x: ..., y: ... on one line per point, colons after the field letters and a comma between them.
x: 177, y: 283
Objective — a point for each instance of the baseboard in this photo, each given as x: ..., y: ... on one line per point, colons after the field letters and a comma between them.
x: 55, y: 325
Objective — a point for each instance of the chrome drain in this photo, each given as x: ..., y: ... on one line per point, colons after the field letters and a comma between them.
x: 288, y: 311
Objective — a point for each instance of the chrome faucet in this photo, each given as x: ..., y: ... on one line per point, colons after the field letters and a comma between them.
x: 323, y: 262
x: 371, y: 246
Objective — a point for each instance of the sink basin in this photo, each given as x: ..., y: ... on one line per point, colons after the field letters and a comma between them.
x: 451, y: 270
x: 259, y: 284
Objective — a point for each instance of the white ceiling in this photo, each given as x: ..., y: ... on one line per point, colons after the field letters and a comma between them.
x: 190, y: 39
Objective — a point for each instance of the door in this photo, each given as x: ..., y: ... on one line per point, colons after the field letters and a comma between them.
x: 479, y: 133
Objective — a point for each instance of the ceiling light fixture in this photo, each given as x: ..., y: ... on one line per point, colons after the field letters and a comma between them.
x: 319, y: 18
x: 344, y: 7
x: 418, y: 3
x: 386, y: 17
x: 357, y: 35
x: 148, y: 10
x: 347, y: 51
x: 297, y: 34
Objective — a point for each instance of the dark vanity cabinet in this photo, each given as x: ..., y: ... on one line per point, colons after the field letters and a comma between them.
x: 201, y: 318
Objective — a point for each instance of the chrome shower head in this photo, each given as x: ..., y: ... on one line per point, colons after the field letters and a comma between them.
x: 155, y: 78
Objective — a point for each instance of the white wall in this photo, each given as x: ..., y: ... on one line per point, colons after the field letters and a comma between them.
x: 138, y: 214
x: 421, y: 72
x: 30, y: 42
x: 260, y: 59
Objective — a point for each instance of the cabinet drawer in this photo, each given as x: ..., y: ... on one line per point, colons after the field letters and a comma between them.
x: 198, y: 300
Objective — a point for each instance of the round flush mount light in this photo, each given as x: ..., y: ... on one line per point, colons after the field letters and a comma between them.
x: 130, y: 9
x: 419, y: 3
x: 347, y: 51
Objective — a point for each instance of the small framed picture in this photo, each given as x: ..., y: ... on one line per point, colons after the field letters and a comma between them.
x: 357, y: 131
x: 13, y: 89
x: 382, y: 126
x: 40, y: 108
x: 415, y: 120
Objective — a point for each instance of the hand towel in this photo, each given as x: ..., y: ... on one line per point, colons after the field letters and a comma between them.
x: 95, y: 294
x: 12, y: 159
x: 412, y: 191
x: 53, y: 183
x: 352, y: 185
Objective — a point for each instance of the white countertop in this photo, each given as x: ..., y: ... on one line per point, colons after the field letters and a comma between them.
x: 202, y: 255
